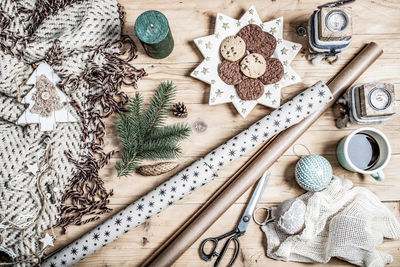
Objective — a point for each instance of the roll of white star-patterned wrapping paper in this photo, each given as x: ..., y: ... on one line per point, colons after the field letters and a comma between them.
x: 194, y: 176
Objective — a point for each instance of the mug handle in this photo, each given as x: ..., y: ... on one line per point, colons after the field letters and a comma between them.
x: 379, y: 176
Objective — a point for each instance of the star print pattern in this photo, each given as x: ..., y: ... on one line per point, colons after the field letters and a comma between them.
x: 96, y: 236
x: 207, y: 70
x: 201, y: 172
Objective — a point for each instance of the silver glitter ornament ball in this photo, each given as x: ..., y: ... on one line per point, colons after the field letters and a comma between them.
x: 313, y: 173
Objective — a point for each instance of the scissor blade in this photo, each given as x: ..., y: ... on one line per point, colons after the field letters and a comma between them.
x: 255, y: 197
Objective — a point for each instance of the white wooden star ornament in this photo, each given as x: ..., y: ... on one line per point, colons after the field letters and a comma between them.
x: 47, y: 241
x: 31, y: 115
x: 32, y: 168
x: 225, y: 26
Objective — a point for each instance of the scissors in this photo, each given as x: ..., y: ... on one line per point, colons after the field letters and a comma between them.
x: 238, y: 231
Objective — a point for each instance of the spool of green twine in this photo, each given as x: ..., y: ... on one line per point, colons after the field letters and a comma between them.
x: 153, y: 31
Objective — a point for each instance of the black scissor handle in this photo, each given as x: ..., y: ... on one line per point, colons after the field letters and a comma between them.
x: 225, y: 248
x: 215, y: 240
x: 207, y: 256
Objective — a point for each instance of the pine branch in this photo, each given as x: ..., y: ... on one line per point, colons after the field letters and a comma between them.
x: 125, y: 168
x: 126, y: 132
x: 142, y: 133
x: 159, y: 150
x: 170, y: 133
x: 135, y: 106
x: 157, y: 111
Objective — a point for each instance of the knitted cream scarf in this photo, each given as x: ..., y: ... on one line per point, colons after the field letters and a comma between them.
x: 82, y: 42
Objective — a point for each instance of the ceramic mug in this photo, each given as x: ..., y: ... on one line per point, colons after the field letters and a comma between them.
x: 376, y: 171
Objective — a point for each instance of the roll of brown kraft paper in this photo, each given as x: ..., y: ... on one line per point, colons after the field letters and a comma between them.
x: 188, y: 233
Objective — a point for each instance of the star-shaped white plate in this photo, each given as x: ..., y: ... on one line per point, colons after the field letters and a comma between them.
x: 207, y: 70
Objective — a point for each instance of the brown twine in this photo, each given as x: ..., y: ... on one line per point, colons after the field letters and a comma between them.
x: 304, y: 146
x: 35, y: 258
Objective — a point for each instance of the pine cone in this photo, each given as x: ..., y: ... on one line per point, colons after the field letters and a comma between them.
x: 179, y: 110
x: 156, y: 169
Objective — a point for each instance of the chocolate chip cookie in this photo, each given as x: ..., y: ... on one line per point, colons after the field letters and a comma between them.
x: 233, y: 48
x: 253, y: 65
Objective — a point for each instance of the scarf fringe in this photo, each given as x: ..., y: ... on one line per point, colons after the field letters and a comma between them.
x: 86, y: 195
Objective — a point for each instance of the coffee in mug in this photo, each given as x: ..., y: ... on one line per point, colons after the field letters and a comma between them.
x: 365, y: 150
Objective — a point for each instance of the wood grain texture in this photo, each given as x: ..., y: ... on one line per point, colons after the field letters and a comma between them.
x: 372, y: 21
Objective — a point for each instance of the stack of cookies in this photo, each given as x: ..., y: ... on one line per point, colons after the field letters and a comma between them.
x: 247, y: 63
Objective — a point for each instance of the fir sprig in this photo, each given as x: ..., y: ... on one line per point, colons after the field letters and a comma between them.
x: 142, y: 132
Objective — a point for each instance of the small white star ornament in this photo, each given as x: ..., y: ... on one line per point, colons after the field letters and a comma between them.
x: 47, y: 241
x: 32, y: 168
x: 207, y: 70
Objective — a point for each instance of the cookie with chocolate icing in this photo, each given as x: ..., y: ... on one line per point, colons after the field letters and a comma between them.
x: 230, y: 73
x: 250, y: 89
x: 252, y: 35
x: 267, y: 45
x: 258, y: 41
x: 274, y: 71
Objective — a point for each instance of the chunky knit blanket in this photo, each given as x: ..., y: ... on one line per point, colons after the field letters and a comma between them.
x: 81, y: 40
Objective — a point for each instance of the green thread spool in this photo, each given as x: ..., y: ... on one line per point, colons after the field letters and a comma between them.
x: 153, y: 31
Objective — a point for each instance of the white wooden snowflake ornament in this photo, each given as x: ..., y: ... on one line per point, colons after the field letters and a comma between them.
x: 207, y: 70
x: 59, y: 114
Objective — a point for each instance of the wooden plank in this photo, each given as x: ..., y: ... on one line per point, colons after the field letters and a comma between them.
x: 222, y: 130
x: 194, y: 91
x: 372, y: 21
x: 202, y: 18
x: 282, y: 185
x: 136, y: 245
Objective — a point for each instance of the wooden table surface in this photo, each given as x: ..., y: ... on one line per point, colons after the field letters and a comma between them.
x: 376, y: 21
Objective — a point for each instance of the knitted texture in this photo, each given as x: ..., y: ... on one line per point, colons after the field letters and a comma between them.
x: 341, y: 221
x: 46, y: 97
x: 82, y: 41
